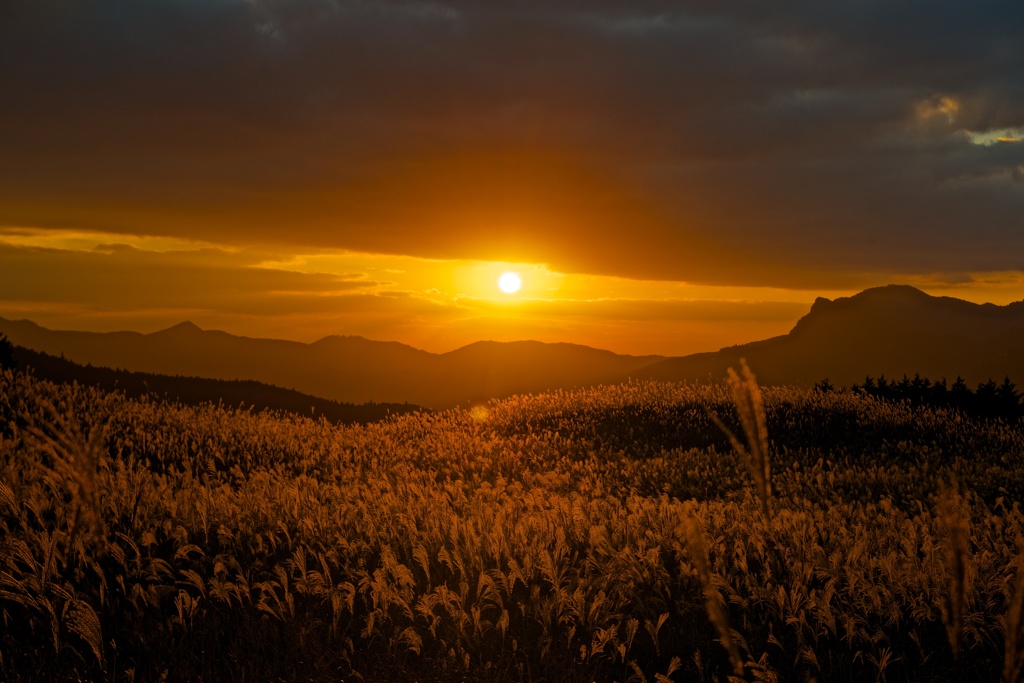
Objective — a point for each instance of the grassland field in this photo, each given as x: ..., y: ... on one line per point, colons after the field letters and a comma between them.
x: 606, y: 534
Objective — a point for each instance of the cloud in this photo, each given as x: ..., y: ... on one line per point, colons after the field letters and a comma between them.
x: 647, y: 310
x: 103, y: 285
x: 120, y: 277
x: 794, y: 144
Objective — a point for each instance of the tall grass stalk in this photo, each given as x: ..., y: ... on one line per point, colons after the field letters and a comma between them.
x: 1013, y: 629
x: 953, y: 518
x: 692, y: 532
x: 746, y: 395
x: 75, y: 460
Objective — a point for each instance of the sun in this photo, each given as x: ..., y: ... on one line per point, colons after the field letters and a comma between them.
x: 510, y: 283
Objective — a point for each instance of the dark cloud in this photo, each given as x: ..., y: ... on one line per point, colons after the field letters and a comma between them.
x: 796, y: 143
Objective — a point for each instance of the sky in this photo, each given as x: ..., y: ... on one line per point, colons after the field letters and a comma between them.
x: 666, y: 177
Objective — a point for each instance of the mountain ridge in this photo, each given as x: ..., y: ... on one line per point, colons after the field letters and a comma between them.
x: 242, y: 394
x: 891, y: 330
x: 349, y: 369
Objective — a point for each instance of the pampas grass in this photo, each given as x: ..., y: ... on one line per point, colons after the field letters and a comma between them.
x: 692, y: 532
x: 953, y: 519
x: 746, y: 395
x: 1013, y: 629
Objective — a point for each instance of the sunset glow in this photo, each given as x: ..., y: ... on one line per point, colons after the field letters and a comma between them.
x: 510, y: 283
x: 243, y: 175
x: 433, y: 304
x: 427, y: 340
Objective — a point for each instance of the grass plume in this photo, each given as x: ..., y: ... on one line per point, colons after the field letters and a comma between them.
x: 75, y: 458
x: 692, y: 532
x: 746, y: 395
x: 955, y: 527
x: 1013, y: 629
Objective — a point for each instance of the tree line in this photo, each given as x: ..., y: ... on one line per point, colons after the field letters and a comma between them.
x: 990, y: 399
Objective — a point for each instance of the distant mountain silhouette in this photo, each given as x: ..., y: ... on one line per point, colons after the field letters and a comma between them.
x: 349, y: 369
x: 248, y: 394
x: 892, y: 330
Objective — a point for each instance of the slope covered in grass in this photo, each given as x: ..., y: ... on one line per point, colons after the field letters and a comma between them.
x: 551, y: 537
x: 246, y: 394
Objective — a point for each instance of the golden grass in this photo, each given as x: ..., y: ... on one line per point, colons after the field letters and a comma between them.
x: 746, y: 396
x: 954, y: 522
x: 1013, y: 628
x: 599, y: 535
x: 692, y: 532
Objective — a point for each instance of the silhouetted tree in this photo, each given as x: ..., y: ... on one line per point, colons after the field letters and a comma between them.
x: 960, y: 395
x: 1008, y: 399
x: 869, y: 385
x: 985, y: 399
x: 6, y: 353
x: 920, y: 389
x: 883, y: 387
x: 824, y: 386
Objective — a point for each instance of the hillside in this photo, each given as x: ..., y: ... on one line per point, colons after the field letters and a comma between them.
x: 894, y: 330
x: 577, y: 534
x: 248, y: 394
x: 348, y: 369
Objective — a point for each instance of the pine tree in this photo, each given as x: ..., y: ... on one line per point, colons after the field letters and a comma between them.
x: 6, y: 353
x: 985, y: 399
x: 1008, y: 399
x: 960, y: 395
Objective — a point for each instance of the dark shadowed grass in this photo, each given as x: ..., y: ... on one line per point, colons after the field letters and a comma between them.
x: 522, y: 543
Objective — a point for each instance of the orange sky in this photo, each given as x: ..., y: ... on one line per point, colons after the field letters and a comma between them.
x: 668, y: 177
x: 146, y: 284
